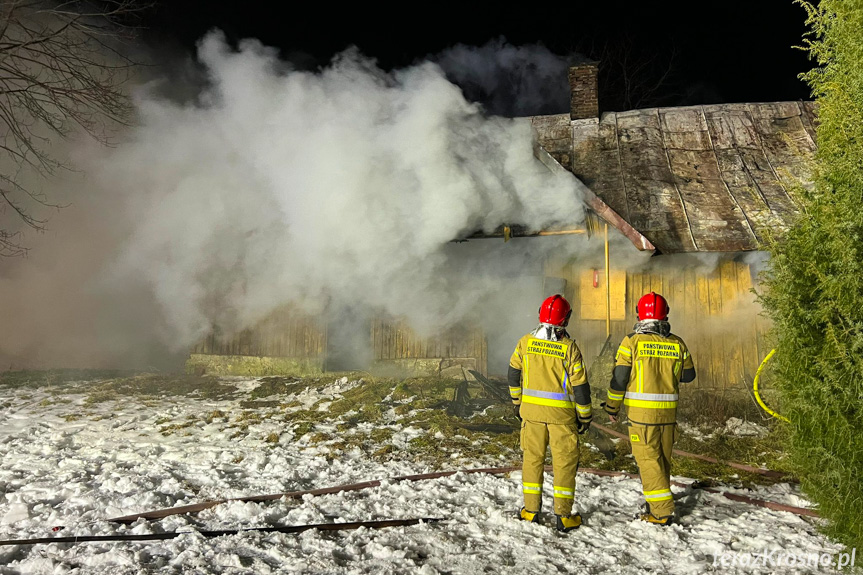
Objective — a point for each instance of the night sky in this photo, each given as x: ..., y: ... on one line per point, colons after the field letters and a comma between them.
x: 730, y: 51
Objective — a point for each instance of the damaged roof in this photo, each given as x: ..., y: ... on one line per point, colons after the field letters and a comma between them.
x: 714, y: 178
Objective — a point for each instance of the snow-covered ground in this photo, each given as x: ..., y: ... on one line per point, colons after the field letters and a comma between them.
x: 734, y: 426
x: 70, y: 462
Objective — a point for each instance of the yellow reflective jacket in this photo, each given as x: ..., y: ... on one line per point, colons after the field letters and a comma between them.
x: 554, y: 384
x: 656, y: 364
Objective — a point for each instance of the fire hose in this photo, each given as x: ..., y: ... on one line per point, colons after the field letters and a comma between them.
x: 161, y: 513
x: 735, y: 465
x: 755, y: 389
x: 222, y: 532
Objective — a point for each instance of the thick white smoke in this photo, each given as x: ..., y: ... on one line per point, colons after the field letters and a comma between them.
x: 330, y: 190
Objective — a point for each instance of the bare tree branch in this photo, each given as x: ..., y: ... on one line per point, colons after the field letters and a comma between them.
x: 63, y: 67
x: 631, y: 76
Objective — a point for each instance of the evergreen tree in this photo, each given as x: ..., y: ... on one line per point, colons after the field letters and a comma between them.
x: 814, y: 287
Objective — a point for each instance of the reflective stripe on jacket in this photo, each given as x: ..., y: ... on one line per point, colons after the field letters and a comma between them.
x: 657, y: 363
x: 554, y: 385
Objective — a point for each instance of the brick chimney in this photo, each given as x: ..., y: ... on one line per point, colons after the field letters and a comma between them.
x: 584, y: 97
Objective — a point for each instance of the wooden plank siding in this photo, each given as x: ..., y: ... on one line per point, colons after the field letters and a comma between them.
x: 395, y: 340
x: 713, y: 310
x: 285, y: 333
x: 715, y: 313
x: 587, y: 323
x: 289, y: 334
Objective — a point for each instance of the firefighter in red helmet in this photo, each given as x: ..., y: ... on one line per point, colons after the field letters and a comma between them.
x: 650, y: 365
x: 551, y: 394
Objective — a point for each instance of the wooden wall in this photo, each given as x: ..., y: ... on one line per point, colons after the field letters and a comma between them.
x: 712, y: 309
x: 395, y: 340
x: 290, y: 334
x: 587, y: 323
x: 716, y: 314
x: 285, y: 333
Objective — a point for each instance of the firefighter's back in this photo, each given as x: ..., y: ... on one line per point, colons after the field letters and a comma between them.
x: 654, y: 382
x: 547, y: 390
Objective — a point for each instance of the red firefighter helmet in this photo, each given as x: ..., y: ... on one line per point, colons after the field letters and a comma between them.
x: 652, y: 306
x: 555, y: 310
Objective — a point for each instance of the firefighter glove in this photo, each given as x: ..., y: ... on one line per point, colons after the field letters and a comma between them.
x: 516, y: 408
x: 582, y: 425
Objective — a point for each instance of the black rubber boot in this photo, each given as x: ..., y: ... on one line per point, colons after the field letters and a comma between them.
x: 565, y: 524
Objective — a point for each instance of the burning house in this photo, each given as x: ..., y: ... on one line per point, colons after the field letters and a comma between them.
x: 705, y: 187
x: 695, y: 190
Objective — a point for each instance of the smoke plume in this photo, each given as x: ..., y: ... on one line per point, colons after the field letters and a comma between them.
x: 340, y: 189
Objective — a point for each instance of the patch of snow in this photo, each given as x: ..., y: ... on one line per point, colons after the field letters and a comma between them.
x: 244, y: 384
x: 403, y: 436
x: 740, y: 428
x: 693, y: 432
x: 78, y: 474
